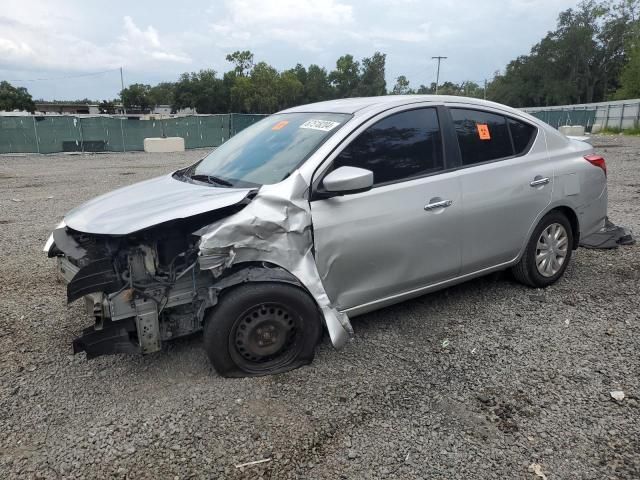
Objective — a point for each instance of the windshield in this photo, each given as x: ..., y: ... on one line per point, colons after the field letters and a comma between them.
x: 268, y: 151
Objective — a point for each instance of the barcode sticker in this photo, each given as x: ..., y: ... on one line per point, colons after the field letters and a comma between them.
x: 324, y: 125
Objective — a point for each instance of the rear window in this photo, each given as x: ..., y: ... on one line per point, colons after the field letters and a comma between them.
x: 522, y: 134
x: 482, y: 136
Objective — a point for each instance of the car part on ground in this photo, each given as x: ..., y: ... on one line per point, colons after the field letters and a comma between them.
x: 610, y: 236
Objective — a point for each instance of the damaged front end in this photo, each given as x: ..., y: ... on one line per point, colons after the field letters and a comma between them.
x: 141, y: 289
x: 156, y: 284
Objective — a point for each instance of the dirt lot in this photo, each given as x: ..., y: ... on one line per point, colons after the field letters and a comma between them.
x: 479, y: 381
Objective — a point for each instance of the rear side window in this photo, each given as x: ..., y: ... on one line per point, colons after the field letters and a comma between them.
x: 522, y: 134
x: 401, y: 146
x: 482, y: 136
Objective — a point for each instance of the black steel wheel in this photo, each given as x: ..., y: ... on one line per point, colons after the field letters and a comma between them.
x: 262, y: 328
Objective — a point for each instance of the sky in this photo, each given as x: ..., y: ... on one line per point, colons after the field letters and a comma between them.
x: 57, y: 48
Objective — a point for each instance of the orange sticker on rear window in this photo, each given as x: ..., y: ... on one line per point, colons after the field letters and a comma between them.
x: 483, y: 131
x: 280, y: 125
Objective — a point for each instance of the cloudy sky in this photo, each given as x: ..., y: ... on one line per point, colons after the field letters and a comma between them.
x: 46, y: 45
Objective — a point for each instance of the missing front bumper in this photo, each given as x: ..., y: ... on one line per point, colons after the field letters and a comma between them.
x: 112, y: 338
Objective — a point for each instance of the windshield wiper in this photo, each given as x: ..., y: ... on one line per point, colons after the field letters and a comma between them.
x: 211, y: 179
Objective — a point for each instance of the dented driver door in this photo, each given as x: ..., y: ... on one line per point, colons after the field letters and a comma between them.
x: 404, y: 233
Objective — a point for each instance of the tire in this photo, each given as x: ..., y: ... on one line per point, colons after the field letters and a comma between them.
x: 261, y: 329
x: 530, y: 270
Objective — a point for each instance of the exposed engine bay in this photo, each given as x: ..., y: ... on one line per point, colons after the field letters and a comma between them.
x: 156, y: 284
x: 142, y: 289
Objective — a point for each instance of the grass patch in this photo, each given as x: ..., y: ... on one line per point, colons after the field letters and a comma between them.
x: 635, y: 132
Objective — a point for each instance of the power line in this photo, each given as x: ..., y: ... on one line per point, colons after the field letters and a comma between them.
x: 66, y: 77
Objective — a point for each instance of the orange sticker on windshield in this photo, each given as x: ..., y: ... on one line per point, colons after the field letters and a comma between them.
x: 483, y: 131
x: 280, y: 125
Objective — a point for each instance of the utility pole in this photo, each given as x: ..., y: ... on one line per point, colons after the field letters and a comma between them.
x: 485, y: 88
x: 122, y: 85
x: 438, y: 74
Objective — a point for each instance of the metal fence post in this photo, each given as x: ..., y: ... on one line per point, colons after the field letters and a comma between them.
x: 124, y: 149
x: 35, y: 134
x: 622, y: 116
x: 81, y: 135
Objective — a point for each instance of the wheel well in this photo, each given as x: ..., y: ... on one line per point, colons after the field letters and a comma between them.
x: 256, y: 272
x: 573, y: 220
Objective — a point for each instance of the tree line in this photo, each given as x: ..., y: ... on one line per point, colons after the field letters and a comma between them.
x: 592, y: 55
x: 260, y: 88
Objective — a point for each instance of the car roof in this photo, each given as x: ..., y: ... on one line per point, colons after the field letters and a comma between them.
x: 353, y: 105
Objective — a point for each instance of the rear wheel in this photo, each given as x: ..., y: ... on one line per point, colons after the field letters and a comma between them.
x: 548, y: 252
x: 262, y: 328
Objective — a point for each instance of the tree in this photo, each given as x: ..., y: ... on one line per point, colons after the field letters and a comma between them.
x: 630, y: 79
x: 579, y: 62
x: 264, y: 79
x: 241, y: 94
x: 346, y: 77
x: 289, y: 90
x: 202, y: 91
x: 136, y: 96
x: 107, y: 107
x: 243, y: 62
x: 317, y: 87
x: 162, y: 94
x: 372, y: 82
x: 15, y: 98
x: 401, y: 87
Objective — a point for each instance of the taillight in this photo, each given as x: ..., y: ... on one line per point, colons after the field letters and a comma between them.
x: 597, y: 161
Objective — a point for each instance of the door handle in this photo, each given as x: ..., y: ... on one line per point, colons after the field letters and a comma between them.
x: 440, y: 204
x: 539, y: 181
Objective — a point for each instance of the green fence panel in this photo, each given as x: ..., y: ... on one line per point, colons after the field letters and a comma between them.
x: 18, y: 135
x: 185, y: 127
x: 214, y: 130
x: 135, y: 131
x: 102, y: 134
x: 559, y: 118
x: 58, y: 134
x: 52, y: 134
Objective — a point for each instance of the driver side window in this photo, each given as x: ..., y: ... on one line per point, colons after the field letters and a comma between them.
x: 402, y: 146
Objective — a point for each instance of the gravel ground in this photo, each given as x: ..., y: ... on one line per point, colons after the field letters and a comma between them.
x: 478, y: 381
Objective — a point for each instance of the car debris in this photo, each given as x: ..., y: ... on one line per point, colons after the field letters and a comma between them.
x: 608, y: 237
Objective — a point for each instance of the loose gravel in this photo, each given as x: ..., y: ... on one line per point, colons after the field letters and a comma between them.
x: 488, y: 379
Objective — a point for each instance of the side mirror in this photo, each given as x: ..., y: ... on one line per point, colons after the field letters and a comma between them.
x: 348, y: 180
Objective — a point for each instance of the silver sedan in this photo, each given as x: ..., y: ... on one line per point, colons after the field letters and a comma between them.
x: 323, y: 212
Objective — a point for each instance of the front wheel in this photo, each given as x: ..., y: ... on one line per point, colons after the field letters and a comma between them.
x: 261, y: 329
x: 548, y: 252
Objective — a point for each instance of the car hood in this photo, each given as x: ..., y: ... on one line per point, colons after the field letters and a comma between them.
x: 145, y: 204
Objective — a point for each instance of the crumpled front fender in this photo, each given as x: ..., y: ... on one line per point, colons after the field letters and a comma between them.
x: 276, y: 227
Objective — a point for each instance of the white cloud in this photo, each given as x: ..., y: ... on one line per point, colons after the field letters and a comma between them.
x: 40, y: 44
x: 307, y: 24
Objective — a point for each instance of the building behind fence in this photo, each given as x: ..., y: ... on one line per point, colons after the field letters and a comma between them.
x: 619, y: 115
x: 65, y: 133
